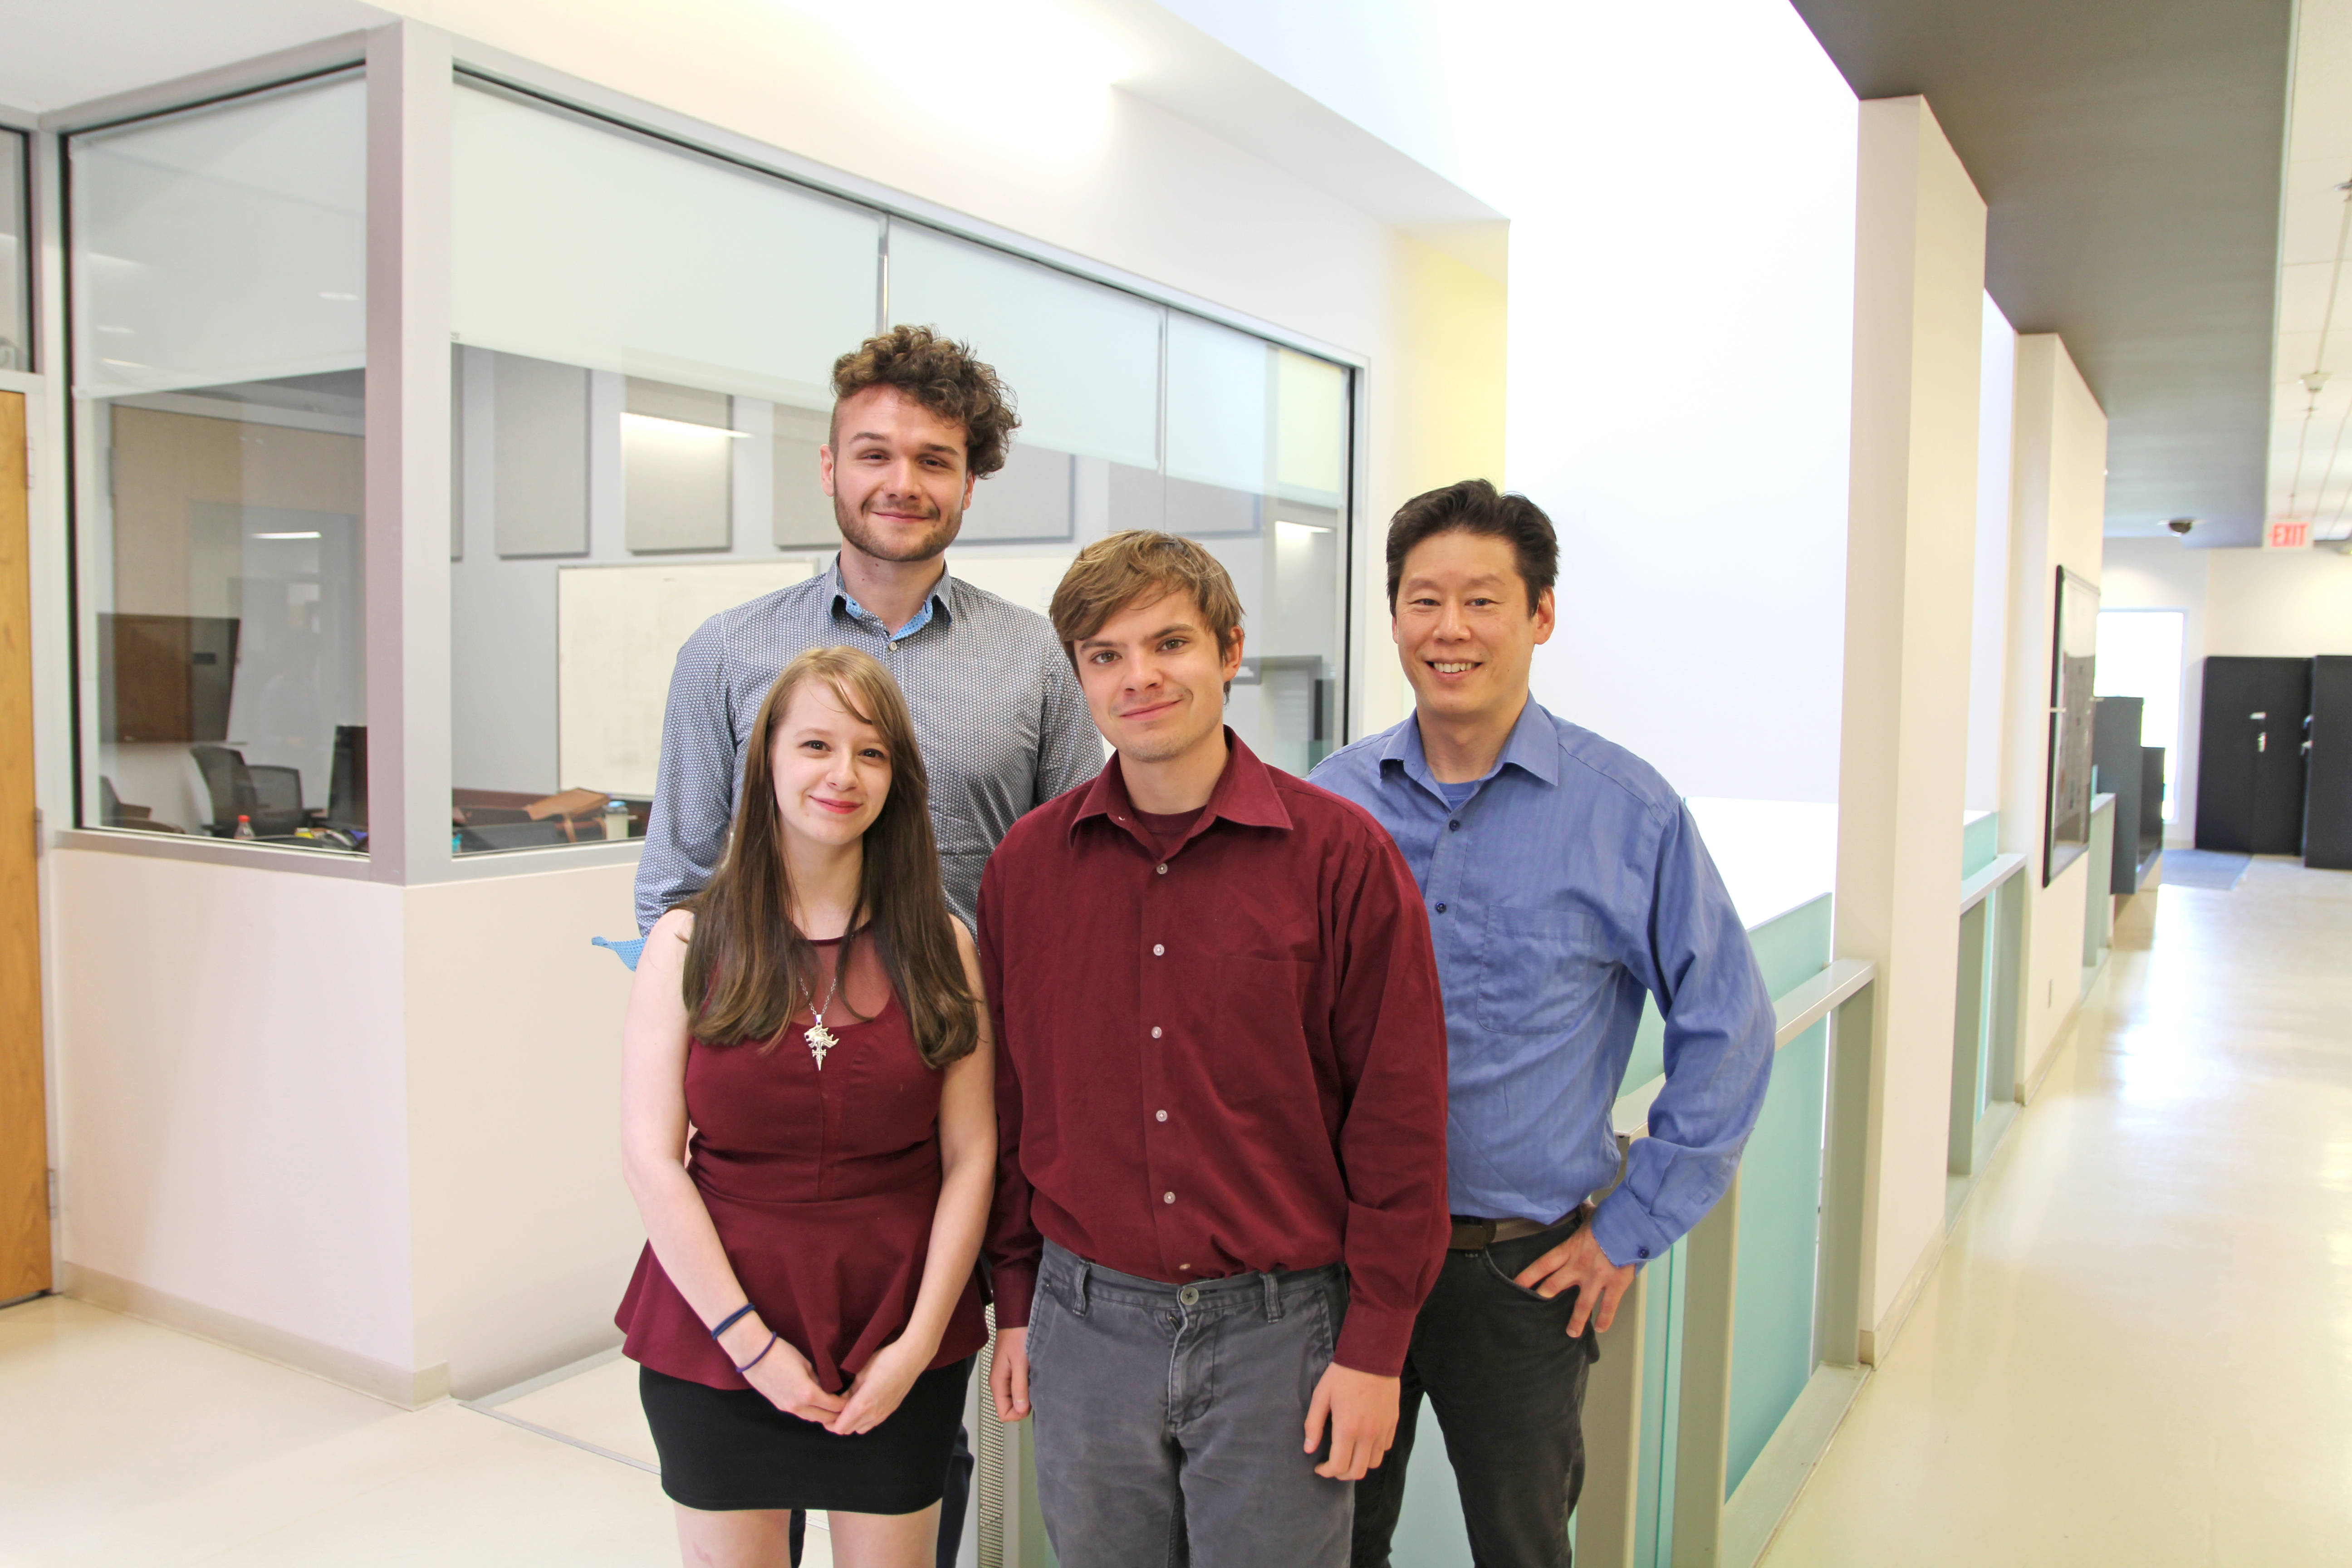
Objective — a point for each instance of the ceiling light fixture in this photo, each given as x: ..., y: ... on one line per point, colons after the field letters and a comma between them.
x: 335, y: 295
x: 714, y: 431
x: 311, y: 533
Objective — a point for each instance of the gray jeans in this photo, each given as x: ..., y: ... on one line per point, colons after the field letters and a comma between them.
x: 1171, y: 1419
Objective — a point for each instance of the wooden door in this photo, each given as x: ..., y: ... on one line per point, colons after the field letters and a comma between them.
x: 24, y: 1116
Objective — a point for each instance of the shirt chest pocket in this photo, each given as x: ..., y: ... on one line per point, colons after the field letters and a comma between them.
x: 1539, y: 970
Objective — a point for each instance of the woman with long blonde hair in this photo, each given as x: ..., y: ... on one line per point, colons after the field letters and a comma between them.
x: 806, y: 1312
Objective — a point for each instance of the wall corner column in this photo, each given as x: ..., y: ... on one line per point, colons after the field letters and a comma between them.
x: 1903, y: 756
x: 408, y: 451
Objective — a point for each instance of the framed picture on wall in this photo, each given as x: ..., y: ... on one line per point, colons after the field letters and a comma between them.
x: 2074, y: 663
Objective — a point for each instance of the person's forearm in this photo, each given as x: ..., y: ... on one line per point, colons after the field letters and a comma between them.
x: 684, y: 1240
x: 956, y: 1227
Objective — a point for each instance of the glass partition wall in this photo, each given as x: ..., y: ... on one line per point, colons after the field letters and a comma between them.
x: 218, y: 284
x: 639, y: 407
x: 643, y: 336
x: 15, y: 257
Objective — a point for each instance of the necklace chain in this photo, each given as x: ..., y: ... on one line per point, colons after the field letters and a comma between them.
x: 820, y: 1039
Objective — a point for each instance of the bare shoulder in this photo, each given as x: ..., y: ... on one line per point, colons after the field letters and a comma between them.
x: 666, y: 943
x: 966, y: 948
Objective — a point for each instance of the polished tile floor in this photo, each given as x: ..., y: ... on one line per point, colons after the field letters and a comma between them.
x: 2139, y: 1347
x: 127, y: 1446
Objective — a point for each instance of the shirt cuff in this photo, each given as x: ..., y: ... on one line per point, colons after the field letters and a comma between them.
x: 1626, y: 1232
x: 1374, y: 1341
x: 1016, y: 1286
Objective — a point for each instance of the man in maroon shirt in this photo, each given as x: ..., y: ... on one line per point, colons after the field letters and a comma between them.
x: 1221, y: 1097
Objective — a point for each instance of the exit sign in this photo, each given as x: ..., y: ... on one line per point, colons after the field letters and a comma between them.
x: 2288, y: 533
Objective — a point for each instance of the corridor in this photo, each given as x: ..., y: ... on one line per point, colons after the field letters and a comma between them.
x: 2137, y: 1347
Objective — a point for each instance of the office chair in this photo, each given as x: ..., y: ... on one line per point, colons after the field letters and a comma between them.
x: 270, y: 798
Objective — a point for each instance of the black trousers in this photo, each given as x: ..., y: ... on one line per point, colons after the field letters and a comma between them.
x: 952, y: 1502
x: 1495, y: 1364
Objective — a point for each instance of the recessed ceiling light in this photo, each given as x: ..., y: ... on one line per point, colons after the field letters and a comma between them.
x: 311, y: 533
x: 121, y: 330
x: 1302, y: 527
x: 332, y: 294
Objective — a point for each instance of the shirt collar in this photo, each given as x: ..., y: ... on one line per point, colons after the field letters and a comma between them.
x: 1533, y: 748
x: 939, y: 603
x: 1244, y: 794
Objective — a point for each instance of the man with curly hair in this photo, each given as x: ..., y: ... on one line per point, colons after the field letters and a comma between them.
x: 916, y: 423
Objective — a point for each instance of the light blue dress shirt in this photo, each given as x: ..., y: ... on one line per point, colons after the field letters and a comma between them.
x: 1571, y: 882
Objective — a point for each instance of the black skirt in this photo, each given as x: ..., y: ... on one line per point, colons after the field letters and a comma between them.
x: 728, y: 1448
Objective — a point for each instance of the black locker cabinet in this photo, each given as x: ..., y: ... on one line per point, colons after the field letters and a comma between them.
x: 2115, y: 757
x: 2328, y: 824
x: 2249, y: 755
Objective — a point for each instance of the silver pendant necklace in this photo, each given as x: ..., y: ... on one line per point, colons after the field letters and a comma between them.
x: 820, y: 1039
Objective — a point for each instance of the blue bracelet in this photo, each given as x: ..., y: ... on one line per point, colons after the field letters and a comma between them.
x: 731, y: 1319
x: 762, y: 1356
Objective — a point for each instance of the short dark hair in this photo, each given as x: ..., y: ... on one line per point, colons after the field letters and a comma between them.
x: 943, y: 376
x: 1474, y: 506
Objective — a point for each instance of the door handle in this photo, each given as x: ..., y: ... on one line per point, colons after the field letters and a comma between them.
x: 2262, y: 742
x: 2258, y: 715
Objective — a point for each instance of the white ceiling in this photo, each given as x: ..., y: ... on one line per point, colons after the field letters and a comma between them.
x: 2311, y: 437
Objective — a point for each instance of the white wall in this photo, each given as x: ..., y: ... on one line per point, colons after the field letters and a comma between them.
x: 2278, y: 604
x: 1918, y: 333
x: 1681, y: 194
x: 2058, y: 503
x: 232, y: 1093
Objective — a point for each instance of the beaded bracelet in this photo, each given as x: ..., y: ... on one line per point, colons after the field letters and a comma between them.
x: 762, y: 1356
x: 731, y: 1319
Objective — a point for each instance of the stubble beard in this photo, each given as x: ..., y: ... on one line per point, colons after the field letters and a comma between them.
x: 929, y: 546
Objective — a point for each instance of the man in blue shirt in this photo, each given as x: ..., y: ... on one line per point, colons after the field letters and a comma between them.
x: 1565, y: 881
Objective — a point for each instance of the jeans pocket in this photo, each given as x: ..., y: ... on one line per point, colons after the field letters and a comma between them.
x: 1495, y: 1271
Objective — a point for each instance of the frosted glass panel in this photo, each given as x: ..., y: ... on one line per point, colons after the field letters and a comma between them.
x: 1218, y: 385
x: 597, y: 247
x: 15, y: 310
x: 227, y: 243
x: 1082, y: 359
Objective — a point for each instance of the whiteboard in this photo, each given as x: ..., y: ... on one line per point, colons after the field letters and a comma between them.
x: 618, y: 632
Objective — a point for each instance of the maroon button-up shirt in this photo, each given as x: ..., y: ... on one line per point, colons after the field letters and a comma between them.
x: 1230, y: 1060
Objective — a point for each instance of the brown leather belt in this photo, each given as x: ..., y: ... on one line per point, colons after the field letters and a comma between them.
x: 1471, y: 1235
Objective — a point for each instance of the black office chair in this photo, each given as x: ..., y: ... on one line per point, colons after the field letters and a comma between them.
x: 267, y: 796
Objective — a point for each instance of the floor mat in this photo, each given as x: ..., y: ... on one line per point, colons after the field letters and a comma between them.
x: 2203, y: 868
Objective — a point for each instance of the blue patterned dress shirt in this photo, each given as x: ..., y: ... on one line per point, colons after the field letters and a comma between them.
x: 1569, y: 884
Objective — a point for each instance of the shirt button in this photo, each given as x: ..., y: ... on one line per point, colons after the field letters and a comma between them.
x: 1453, y: 827
x: 1163, y: 868
x: 1641, y: 1252
x: 1163, y: 1115
x: 1155, y: 1035
x: 1170, y: 1197
x: 1441, y: 909
x: 1156, y: 951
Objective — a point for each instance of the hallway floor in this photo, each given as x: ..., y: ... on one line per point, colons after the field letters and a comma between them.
x: 2138, y: 1348
x: 127, y: 1446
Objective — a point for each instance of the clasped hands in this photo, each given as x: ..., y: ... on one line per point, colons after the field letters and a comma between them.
x: 784, y: 1376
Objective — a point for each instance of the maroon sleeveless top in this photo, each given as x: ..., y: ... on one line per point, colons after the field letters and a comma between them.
x: 822, y: 1184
